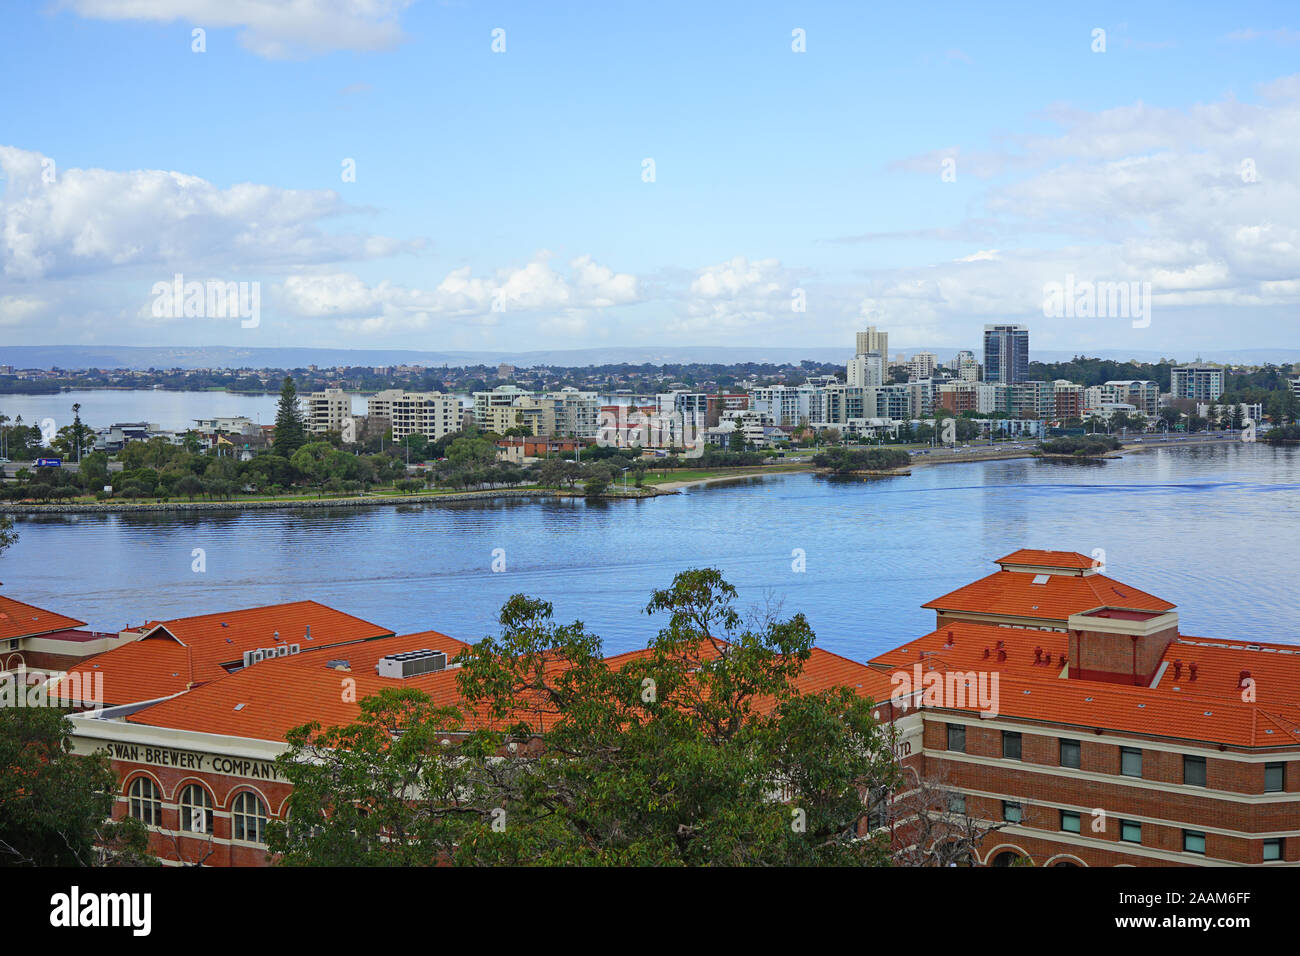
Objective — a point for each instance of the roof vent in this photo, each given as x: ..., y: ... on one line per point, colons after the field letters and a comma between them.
x: 307, y: 636
x: 411, y: 663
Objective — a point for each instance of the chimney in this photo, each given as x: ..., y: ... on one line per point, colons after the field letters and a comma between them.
x: 1038, y: 655
x: 1242, y: 678
x: 1192, y: 668
x: 1120, y: 645
x: 1178, y: 670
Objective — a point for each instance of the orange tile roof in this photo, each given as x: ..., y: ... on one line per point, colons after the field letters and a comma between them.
x: 961, y: 645
x: 1274, y: 670
x: 172, y: 655
x: 26, y: 620
x: 1209, y: 709
x: 1033, y: 557
x: 275, y: 696
x: 278, y: 695
x: 1141, y: 710
x: 141, y: 670
x: 1014, y: 594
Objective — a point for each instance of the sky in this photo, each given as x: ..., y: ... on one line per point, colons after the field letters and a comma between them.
x: 547, y: 175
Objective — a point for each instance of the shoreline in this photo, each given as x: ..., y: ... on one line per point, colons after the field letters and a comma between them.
x: 647, y: 491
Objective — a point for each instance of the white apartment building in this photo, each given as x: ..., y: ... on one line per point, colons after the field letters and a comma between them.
x: 431, y: 414
x: 575, y: 414
x: 1249, y: 413
x: 866, y: 370
x: 327, y: 411
x: 966, y: 367
x: 921, y: 366
x: 1202, y: 383
x: 503, y: 396
x: 231, y: 425
x: 1142, y: 395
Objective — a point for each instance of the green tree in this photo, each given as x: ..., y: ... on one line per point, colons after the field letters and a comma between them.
x: 290, y: 431
x: 54, y: 805
x: 8, y: 536
x: 671, y: 757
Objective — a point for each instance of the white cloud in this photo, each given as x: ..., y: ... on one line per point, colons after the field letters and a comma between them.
x: 95, y: 220
x: 275, y: 29
x: 532, y: 289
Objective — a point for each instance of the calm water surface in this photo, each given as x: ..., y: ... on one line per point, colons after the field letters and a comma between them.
x: 1211, y: 529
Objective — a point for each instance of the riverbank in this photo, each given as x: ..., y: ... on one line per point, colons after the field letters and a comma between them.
x: 652, y: 487
x: 282, y: 504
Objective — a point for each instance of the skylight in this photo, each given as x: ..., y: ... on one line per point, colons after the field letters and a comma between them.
x: 1041, y: 578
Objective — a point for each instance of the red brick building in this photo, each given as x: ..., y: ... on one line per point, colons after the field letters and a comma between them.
x: 1052, y: 702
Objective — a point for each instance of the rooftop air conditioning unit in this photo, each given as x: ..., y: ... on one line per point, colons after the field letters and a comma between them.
x: 411, y: 663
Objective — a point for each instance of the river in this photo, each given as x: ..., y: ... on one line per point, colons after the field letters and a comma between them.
x: 1210, y: 528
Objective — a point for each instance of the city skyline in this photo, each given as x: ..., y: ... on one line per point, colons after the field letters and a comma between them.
x: 402, y: 176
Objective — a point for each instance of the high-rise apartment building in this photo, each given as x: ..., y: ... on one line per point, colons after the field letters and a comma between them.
x: 327, y: 411
x: 1006, y: 353
x: 1203, y: 383
x: 431, y: 414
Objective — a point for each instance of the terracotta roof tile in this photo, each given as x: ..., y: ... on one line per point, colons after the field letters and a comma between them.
x: 1014, y: 593
x: 172, y: 655
x: 26, y: 620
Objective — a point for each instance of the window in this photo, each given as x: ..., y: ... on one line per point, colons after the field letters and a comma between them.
x: 1130, y: 761
x: 145, y: 802
x: 195, y: 809
x: 956, y: 803
x: 1194, y: 842
x: 1272, y: 850
x: 1070, y: 821
x: 1194, y: 771
x: 957, y: 737
x: 1130, y: 831
x: 1274, y: 777
x: 1070, y: 753
x: 248, y: 816
x: 1012, y: 812
x: 1010, y: 745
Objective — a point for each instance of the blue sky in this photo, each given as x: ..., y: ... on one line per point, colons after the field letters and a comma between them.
x: 499, y: 198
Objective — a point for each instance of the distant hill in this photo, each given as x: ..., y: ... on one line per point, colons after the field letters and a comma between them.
x: 219, y: 356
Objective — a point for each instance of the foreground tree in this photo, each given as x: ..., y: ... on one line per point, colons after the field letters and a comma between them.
x: 8, y: 536
x: 54, y: 805
x: 290, y: 431
x: 699, y: 750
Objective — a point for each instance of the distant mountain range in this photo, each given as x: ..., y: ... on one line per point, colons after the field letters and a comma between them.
x: 219, y: 356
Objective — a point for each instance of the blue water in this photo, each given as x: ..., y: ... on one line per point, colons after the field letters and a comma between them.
x: 1212, y: 529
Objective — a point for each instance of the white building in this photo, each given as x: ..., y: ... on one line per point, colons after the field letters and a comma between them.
x: 327, y: 411
x: 1142, y: 395
x: 431, y: 414
x: 921, y: 366
x: 1202, y: 383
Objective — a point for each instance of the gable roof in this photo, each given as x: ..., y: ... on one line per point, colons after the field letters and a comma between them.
x: 171, y: 656
x: 26, y: 620
x: 276, y: 695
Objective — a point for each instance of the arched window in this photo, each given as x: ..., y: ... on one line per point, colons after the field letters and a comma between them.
x: 196, y: 809
x: 144, y: 802
x: 1006, y: 858
x: 249, y: 817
